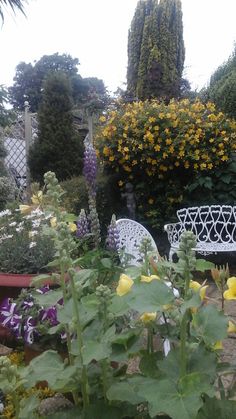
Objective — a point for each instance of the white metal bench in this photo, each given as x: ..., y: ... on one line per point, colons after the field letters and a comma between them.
x: 214, y: 227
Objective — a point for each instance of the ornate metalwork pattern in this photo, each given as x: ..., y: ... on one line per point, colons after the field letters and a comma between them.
x: 214, y: 227
x: 131, y: 235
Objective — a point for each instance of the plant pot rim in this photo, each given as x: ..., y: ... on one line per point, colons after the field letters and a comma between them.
x: 17, y: 280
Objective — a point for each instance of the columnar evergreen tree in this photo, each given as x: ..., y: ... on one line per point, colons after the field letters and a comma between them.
x: 222, y: 87
x: 58, y: 148
x: 156, y: 50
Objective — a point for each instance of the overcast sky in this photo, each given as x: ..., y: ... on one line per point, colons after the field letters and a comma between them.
x: 95, y: 32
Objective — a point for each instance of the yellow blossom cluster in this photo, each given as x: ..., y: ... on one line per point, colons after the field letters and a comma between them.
x: 156, y: 138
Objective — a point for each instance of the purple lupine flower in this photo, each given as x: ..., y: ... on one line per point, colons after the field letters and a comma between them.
x: 30, y: 330
x: 112, y: 235
x: 82, y: 225
x: 90, y: 167
x: 9, y: 315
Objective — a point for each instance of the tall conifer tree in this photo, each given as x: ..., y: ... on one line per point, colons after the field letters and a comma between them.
x: 58, y: 148
x: 156, y: 50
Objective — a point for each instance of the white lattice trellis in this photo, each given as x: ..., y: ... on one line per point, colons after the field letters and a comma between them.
x: 15, y: 143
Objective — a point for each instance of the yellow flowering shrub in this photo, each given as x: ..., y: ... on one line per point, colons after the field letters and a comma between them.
x: 161, y: 148
x: 156, y: 138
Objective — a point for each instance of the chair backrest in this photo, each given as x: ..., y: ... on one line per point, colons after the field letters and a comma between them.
x: 131, y: 234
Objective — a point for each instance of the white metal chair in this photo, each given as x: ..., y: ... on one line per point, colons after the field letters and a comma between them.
x: 131, y: 234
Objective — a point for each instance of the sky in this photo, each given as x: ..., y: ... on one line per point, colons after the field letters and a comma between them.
x: 96, y: 32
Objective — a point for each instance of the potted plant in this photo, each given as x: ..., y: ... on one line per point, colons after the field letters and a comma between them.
x: 24, y: 249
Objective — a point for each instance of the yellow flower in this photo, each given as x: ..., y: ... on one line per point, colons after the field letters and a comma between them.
x: 72, y: 227
x: 195, y: 286
x: 203, y: 292
x: 150, y: 201
x: 53, y: 222
x: 148, y: 317
x: 37, y: 198
x: 151, y: 119
x: 230, y: 294
x: 218, y: 345
x: 106, y: 151
x: 231, y: 327
x: 25, y: 209
x: 120, y: 183
x: 102, y: 119
x: 124, y: 285
x: 149, y: 278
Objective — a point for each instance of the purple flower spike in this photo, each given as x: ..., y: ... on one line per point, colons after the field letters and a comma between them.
x: 82, y: 225
x: 113, y: 235
x: 90, y: 168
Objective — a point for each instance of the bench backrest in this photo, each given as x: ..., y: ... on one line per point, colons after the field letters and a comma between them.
x: 131, y: 234
x: 215, y: 223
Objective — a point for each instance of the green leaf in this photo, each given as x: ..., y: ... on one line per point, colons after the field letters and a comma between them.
x: 149, y: 364
x: 203, y: 265
x: 94, y: 350
x: 179, y: 402
x: 193, y: 302
x: 49, y: 299
x: 203, y: 361
x: 149, y: 297
x: 46, y: 366
x: 210, y: 324
x: 65, y: 312
x: 133, y: 271
x: 122, y: 353
x: 125, y: 337
x: 68, y: 380
x: 104, y: 411
x: 27, y: 405
x: 40, y: 280
x: 125, y: 391
x: 106, y: 262
x: 118, y: 306
x: 84, y: 275
x: 217, y: 409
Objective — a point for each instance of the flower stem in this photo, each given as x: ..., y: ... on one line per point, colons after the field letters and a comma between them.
x: 68, y: 338
x: 150, y: 347
x: 183, y: 339
x: 80, y: 343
